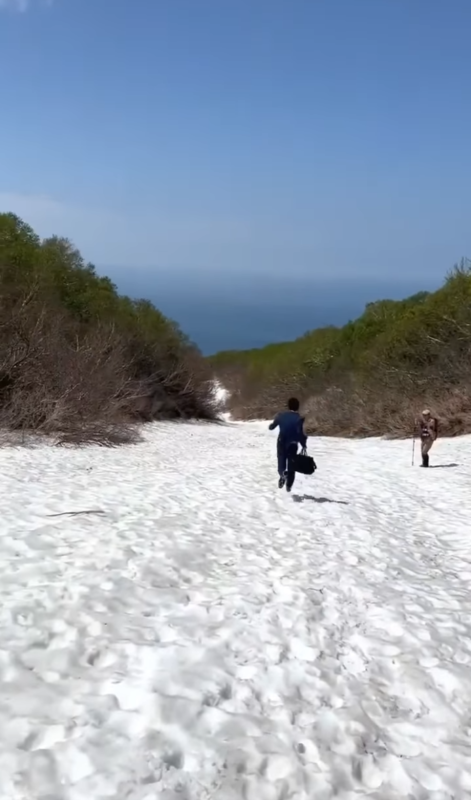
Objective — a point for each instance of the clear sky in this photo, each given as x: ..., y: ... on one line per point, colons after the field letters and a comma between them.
x: 328, y: 137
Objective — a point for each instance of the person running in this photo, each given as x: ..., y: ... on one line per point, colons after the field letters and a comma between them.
x: 291, y: 434
x: 428, y: 432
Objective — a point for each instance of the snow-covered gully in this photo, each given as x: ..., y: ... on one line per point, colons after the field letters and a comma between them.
x: 173, y: 627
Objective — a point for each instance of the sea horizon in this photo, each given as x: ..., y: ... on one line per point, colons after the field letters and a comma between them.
x: 235, y: 314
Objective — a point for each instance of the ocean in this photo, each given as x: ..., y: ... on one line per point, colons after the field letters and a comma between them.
x: 238, y: 313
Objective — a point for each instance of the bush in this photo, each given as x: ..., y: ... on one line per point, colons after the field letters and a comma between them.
x: 78, y: 358
x: 373, y: 375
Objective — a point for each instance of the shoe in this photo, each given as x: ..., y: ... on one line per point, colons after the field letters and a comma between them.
x: 281, y: 482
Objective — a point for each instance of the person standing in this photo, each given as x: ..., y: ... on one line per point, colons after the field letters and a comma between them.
x: 428, y: 431
x: 290, y: 436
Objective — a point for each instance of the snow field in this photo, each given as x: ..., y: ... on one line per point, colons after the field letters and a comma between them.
x: 201, y: 634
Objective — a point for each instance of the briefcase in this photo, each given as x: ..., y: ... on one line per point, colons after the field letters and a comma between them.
x: 304, y: 464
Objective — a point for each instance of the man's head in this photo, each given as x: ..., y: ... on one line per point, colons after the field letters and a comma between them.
x: 293, y: 404
x: 426, y: 413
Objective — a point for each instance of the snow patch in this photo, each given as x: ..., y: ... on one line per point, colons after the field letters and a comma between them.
x: 208, y: 636
x: 221, y: 396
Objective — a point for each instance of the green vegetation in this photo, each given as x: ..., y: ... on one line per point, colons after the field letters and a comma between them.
x: 77, y: 357
x: 373, y: 375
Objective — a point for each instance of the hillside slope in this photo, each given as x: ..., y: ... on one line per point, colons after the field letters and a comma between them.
x: 78, y: 358
x: 373, y: 375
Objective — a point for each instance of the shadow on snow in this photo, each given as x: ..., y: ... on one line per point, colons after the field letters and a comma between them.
x: 300, y: 498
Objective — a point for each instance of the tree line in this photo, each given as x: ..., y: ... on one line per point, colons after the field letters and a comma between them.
x: 373, y: 375
x: 79, y: 359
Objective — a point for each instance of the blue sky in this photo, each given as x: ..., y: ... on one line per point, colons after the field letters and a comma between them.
x: 309, y: 137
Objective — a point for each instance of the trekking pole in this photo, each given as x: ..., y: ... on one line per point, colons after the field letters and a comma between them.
x: 413, y: 450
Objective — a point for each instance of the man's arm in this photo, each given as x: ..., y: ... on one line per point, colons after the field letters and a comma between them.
x: 302, y: 435
x: 275, y: 423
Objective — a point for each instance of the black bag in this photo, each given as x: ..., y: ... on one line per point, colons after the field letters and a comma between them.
x: 304, y: 464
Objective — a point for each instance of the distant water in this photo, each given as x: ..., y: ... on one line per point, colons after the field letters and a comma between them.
x: 231, y: 313
x: 227, y: 326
